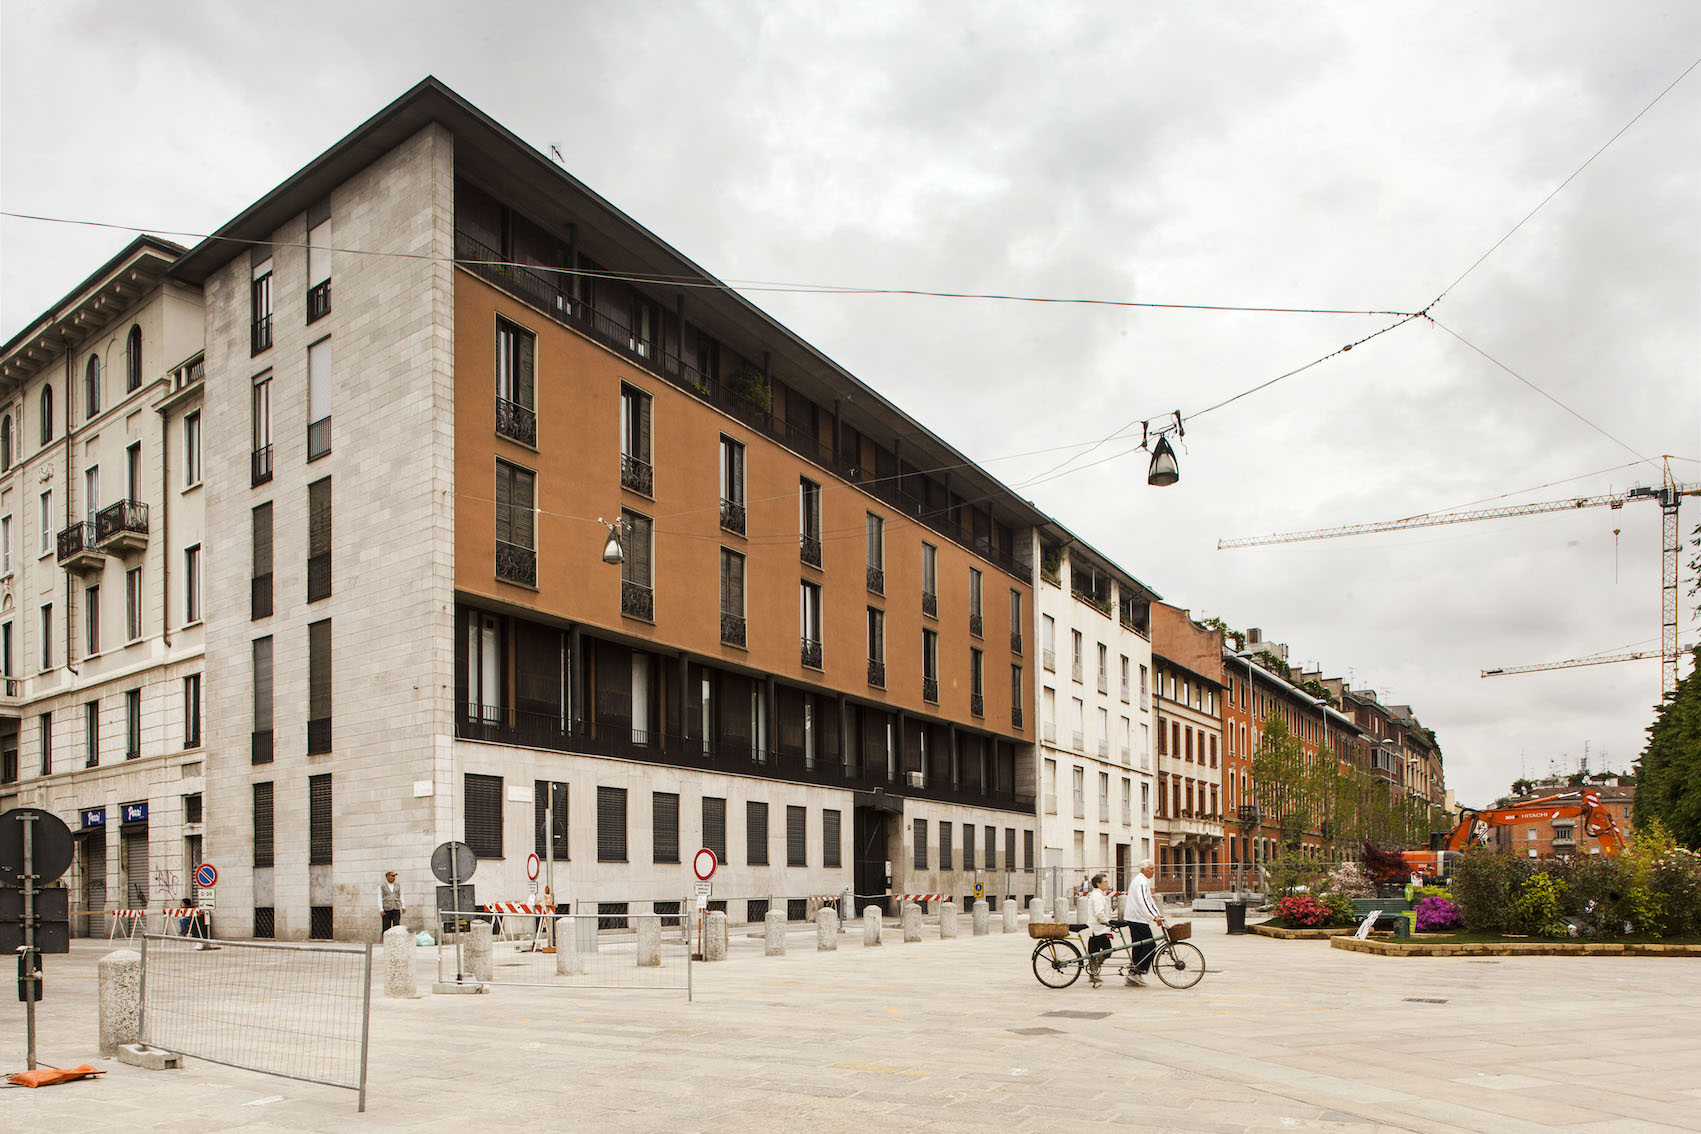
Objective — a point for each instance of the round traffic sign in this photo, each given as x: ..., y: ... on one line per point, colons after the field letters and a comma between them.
x: 453, y: 862
x: 50, y: 846
x: 531, y: 867
x: 206, y: 876
x: 703, y: 864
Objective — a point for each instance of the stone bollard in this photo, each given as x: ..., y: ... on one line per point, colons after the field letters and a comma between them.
x: 714, y: 935
x: 1081, y: 907
x: 982, y: 918
x: 585, y: 933
x: 774, y: 934
x: 911, y: 921
x: 399, y: 954
x: 947, y: 920
x: 871, y: 925
x: 649, y: 942
x: 826, y: 930
x: 567, y: 961
x: 478, y: 950
x: 119, y: 975
x: 1062, y: 909
x: 1009, y: 916
x: 847, y: 908
x: 1036, y: 910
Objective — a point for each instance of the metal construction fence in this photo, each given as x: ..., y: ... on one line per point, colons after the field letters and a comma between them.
x: 295, y: 1011
x: 648, y: 951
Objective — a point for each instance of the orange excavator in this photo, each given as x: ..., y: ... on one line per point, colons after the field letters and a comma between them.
x: 1474, y: 826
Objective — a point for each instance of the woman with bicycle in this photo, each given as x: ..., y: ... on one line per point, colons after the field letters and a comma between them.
x: 1098, y: 933
x: 1141, y: 912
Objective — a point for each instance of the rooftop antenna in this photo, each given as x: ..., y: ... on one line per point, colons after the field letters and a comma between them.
x: 555, y: 152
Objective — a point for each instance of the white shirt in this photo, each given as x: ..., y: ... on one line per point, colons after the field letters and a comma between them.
x: 1098, y: 912
x: 1140, y: 904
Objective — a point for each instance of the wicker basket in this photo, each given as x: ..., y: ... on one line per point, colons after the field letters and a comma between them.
x: 1047, y: 930
x: 1180, y: 931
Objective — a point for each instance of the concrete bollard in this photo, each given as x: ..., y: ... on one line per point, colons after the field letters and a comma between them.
x: 399, y: 955
x: 119, y: 976
x: 1081, y: 907
x: 649, y: 942
x: 947, y: 920
x: 478, y: 952
x: 911, y: 921
x: 847, y: 908
x: 567, y: 962
x: 826, y: 930
x: 982, y: 918
x: 1062, y: 909
x: 1036, y: 910
x: 1008, y: 916
x: 774, y: 934
x: 871, y: 925
x: 714, y: 935
x: 585, y: 930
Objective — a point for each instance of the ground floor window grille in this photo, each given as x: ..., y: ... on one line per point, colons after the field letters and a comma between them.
x: 668, y: 912
x: 611, y: 915
x: 755, y: 910
x: 797, y: 909
x: 264, y: 924
x: 319, y: 923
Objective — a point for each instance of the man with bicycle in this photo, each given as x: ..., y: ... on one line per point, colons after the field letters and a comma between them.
x: 1141, y: 912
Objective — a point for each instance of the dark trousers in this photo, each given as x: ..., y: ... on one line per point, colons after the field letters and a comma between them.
x: 392, y: 918
x: 1097, y: 943
x: 1143, y: 946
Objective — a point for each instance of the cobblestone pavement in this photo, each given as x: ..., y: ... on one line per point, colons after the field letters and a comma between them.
x: 944, y: 1035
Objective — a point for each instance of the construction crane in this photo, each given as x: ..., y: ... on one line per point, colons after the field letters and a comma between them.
x: 1570, y: 663
x: 1669, y: 493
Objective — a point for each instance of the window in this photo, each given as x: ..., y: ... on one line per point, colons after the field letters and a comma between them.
x: 318, y: 261
x: 977, y: 682
x: 191, y: 449
x: 5, y: 545
x: 483, y: 815
x: 6, y: 650
x: 1080, y: 784
x: 319, y: 838
x: 637, y: 598
x: 133, y: 360
x: 1125, y: 679
x: 192, y: 711
x: 664, y: 826
x: 976, y: 623
x: 876, y: 646
x: 133, y: 471
x: 635, y: 471
x: 516, y: 405
x: 91, y: 621
x: 91, y: 493
x: 5, y: 443
x: 45, y: 721
x: 797, y: 835
x: 991, y: 860
x: 1016, y: 696
x: 945, y: 850
x: 930, y: 580
x: 319, y: 687
x: 1016, y: 621
x: 1104, y: 732
x: 876, y: 533
x: 191, y: 584
x: 261, y: 460
x: 831, y: 845
x: 318, y: 399
x: 549, y: 803
x: 46, y: 414
x: 263, y: 824
x: 1104, y: 686
x: 260, y: 586
x: 91, y: 734
x: 809, y: 521
x: 930, y: 665
x: 261, y: 747
x: 756, y: 833
x: 1078, y: 656
x: 640, y: 339
x: 193, y: 810
x: 968, y: 846
x: 1048, y: 642
x: 1027, y: 850
x: 319, y: 540
x: 809, y: 622
x: 91, y: 388
x: 1104, y: 797
x: 1079, y: 721
x: 46, y: 515
x: 46, y: 635
x: 733, y: 626
x: 732, y: 486
x: 1009, y: 848
x: 611, y: 824
x: 714, y: 826
x: 516, y: 537
x: 1145, y: 699
x: 260, y: 300
x: 921, y: 844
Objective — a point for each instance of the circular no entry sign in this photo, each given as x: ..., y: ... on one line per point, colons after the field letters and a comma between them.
x: 703, y: 864
x: 531, y: 867
x: 206, y: 876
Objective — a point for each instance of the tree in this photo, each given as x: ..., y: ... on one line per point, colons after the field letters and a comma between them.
x: 1523, y: 786
x: 1668, y: 773
x: 1320, y: 691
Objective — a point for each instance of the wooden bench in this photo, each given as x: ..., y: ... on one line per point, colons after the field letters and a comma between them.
x: 1386, y: 909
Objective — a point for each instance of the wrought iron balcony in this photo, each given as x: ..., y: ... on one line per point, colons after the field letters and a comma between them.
x: 260, y: 596
x: 318, y: 438
x: 732, y: 516
x: 637, y: 601
x: 260, y: 335
x: 1016, y: 716
x: 930, y: 604
x: 515, y: 564
x: 930, y: 690
x: 78, y: 549
x: 319, y: 575
x: 318, y: 736
x: 733, y: 629
x: 122, y: 526
x: 809, y: 549
x: 515, y: 422
x: 876, y: 580
x: 877, y: 673
x: 811, y: 653
x: 318, y: 301
x: 1249, y: 815
x: 637, y: 475
x: 260, y: 747
x: 260, y: 466
x: 976, y: 625
x: 977, y: 705
x: 1015, y: 641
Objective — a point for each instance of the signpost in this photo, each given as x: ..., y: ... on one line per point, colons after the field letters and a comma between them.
x: 703, y: 865
x: 35, y: 849
x: 451, y: 862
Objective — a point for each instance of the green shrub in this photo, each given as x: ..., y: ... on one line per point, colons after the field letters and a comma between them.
x: 1537, y: 908
x: 1485, y: 884
x: 1294, y: 873
x: 1676, y: 878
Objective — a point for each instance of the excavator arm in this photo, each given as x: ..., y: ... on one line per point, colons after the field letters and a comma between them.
x: 1474, y: 826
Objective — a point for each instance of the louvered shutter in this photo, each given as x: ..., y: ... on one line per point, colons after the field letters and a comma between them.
x: 263, y: 824
x: 319, y: 517
x: 830, y: 840
x: 991, y: 861
x: 525, y: 351
x: 968, y: 846
x: 263, y: 684
x: 945, y: 848
x: 263, y: 539
x: 319, y: 670
x: 714, y: 826
x: 664, y: 825
x: 522, y: 512
x: 797, y: 849
x: 756, y: 833
x: 319, y: 840
x: 611, y: 824
x: 483, y: 811
x: 1009, y: 848
x: 644, y: 428
x: 921, y: 844
x: 504, y: 503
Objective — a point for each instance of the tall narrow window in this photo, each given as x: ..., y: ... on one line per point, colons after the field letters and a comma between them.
x: 1016, y: 698
x: 733, y: 630
x: 319, y: 838
x: 485, y: 653
x: 45, y: 731
x: 319, y: 687
x: 1016, y: 622
x: 637, y: 596
x: 91, y: 621
x: 809, y: 521
x: 975, y: 620
x: 319, y: 540
x: 611, y: 824
x: 260, y: 586
x: 930, y: 580
x: 191, y: 584
x: 640, y: 338
x: 876, y: 647
x: 756, y: 833
x: 133, y: 471
x: 483, y: 815
x: 549, y: 814
x: 132, y: 724
x: 5, y: 545
x: 832, y: 854
x: 263, y: 824
x: 261, y: 748
x: 664, y: 826
x: 46, y: 636
x: 714, y: 826
x: 46, y: 517
x: 260, y: 461
x: 1104, y: 675
x: 318, y: 261
x: 260, y: 301
x: 6, y: 650
x: 516, y: 405
x: 91, y: 734
x: 318, y: 399
x: 516, y: 537
x: 636, y: 473
x: 732, y: 486
x: 945, y: 857
x: 191, y: 449
x: 192, y: 711
x: 876, y: 553
x: 1077, y: 657
x: 91, y: 493
x: 921, y: 844
x: 797, y: 836
x: 133, y: 360
x: 91, y: 388
x: 930, y: 666
x: 977, y: 682
x: 809, y: 622
x: 968, y: 846
x: 46, y: 414
x: 5, y: 443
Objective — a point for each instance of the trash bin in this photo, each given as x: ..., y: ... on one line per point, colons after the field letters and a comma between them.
x: 1236, y: 912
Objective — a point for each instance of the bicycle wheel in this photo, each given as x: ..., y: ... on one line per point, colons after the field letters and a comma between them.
x: 1057, y: 964
x: 1179, y: 964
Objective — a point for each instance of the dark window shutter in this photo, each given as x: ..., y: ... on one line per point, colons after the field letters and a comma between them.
x: 644, y: 428
x: 991, y: 861
x: 541, y: 798
x: 797, y: 849
x: 319, y: 686
x: 664, y: 826
x: 263, y: 824
x: 968, y: 846
x: 1009, y: 848
x: 524, y: 497
x: 921, y: 844
x: 714, y: 826
x: 319, y: 517
x: 504, y: 503
x: 483, y: 810
x: 263, y: 684
x: 319, y: 820
x: 756, y: 833
x: 1027, y: 850
x: 945, y: 846
x: 525, y: 350
x: 263, y: 539
x: 830, y: 839
x: 611, y: 824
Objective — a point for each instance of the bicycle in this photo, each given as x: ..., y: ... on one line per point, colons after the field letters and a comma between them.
x: 1059, y: 961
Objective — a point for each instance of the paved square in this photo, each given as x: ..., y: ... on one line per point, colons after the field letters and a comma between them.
x: 956, y: 1034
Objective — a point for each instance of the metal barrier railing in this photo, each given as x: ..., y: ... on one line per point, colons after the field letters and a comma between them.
x: 295, y: 1011
x: 573, y: 951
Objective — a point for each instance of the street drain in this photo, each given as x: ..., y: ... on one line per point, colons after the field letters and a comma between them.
x: 1423, y: 1000
x: 1078, y: 1015
x: 1036, y: 1031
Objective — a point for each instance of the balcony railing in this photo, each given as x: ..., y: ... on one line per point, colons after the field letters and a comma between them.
x: 637, y: 476
x: 260, y: 596
x: 77, y: 546
x: 1048, y: 659
x: 930, y: 690
x: 732, y: 629
x: 260, y: 466
x: 318, y: 438
x: 1016, y: 716
x: 809, y: 549
x: 976, y: 625
x: 877, y: 673
x: 260, y: 335
x: 515, y: 564
x: 122, y: 526
x: 637, y: 601
x: 318, y: 301
x: 977, y: 705
x: 318, y: 736
x: 930, y: 604
x: 1051, y: 732
x: 811, y: 653
x: 877, y: 580
x: 319, y: 576
x: 1248, y: 815
x: 260, y: 750
x: 1079, y: 741
x: 1104, y: 748
x: 1125, y: 692
x: 516, y: 422
x: 1015, y: 641
x: 1075, y: 669
x: 1104, y: 686
x: 732, y: 516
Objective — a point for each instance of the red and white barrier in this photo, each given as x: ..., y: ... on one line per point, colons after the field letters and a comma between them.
x: 920, y: 897
x: 516, y: 908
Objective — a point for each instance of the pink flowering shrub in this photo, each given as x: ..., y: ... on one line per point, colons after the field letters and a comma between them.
x: 1302, y: 910
x: 1435, y: 914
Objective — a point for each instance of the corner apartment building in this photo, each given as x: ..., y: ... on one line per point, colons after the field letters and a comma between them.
x: 442, y: 372
x: 1188, y: 660
x: 1096, y: 720
x: 102, y: 611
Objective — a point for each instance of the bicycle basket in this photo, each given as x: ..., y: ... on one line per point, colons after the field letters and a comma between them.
x: 1180, y: 931
x: 1048, y: 930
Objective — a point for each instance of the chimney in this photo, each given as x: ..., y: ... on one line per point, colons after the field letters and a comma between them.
x: 1254, y: 636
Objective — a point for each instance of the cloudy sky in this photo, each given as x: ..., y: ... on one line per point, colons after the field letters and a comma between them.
x: 1299, y: 155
